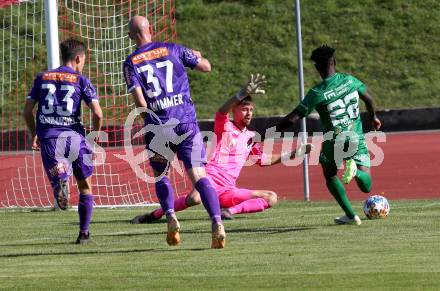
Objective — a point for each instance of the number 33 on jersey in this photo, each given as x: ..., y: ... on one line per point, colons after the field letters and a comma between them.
x: 59, y: 93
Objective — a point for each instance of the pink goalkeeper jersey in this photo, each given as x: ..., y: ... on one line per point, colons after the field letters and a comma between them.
x: 232, y: 149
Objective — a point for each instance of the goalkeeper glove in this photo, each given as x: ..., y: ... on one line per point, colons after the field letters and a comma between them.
x: 253, y: 86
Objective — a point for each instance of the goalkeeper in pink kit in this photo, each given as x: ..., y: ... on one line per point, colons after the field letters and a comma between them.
x: 233, y: 147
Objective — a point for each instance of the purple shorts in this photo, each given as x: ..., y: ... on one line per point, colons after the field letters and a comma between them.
x: 68, y: 153
x: 184, y: 139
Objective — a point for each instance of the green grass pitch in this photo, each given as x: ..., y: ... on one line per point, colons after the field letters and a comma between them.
x: 293, y: 246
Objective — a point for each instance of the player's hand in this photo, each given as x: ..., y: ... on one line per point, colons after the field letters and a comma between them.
x: 254, y: 85
x: 35, y: 144
x: 304, y: 149
x: 197, y: 54
x: 96, y: 138
x: 376, y: 124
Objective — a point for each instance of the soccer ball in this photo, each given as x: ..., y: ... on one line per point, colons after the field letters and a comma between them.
x: 376, y: 206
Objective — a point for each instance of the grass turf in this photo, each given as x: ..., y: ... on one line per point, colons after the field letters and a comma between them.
x: 292, y: 246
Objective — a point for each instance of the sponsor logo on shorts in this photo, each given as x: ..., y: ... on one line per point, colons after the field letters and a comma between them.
x: 57, y: 170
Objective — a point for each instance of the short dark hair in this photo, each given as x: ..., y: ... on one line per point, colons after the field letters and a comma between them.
x: 70, y: 48
x: 321, y: 56
x: 246, y: 101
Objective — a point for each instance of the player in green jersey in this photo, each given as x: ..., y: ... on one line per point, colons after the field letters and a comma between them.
x: 336, y: 99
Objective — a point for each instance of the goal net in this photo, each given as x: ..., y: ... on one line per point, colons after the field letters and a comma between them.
x: 102, y: 25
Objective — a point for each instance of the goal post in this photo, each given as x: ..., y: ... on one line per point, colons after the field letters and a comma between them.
x: 103, y: 26
x: 51, y: 18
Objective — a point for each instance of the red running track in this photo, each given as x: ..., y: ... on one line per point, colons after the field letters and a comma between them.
x: 410, y: 170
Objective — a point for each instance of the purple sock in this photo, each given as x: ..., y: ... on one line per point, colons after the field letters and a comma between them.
x: 209, y: 199
x: 165, y: 193
x: 85, y: 210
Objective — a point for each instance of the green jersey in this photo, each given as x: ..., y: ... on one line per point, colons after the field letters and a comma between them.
x: 336, y: 99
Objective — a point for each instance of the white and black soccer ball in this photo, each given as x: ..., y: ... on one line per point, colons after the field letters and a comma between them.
x: 376, y: 206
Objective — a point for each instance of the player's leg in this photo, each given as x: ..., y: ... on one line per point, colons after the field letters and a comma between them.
x: 335, y: 186
x: 363, y: 179
x: 208, y: 195
x: 165, y: 194
x: 362, y: 160
x: 358, y: 167
x: 83, y: 170
x: 85, y: 210
x: 180, y: 204
x: 269, y: 196
x: 192, y: 153
x: 164, y: 191
x: 58, y: 170
x: 246, y: 201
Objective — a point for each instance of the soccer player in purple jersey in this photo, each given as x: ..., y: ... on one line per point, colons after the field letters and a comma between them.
x: 156, y: 77
x: 59, y: 133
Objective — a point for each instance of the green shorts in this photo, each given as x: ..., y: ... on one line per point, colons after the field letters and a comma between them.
x: 334, y: 152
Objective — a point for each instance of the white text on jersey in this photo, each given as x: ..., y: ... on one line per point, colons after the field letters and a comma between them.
x: 59, y: 120
x: 166, y: 102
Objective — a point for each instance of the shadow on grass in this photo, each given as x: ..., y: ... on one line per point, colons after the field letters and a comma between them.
x: 110, y: 221
x: 92, y: 252
x: 160, y: 221
x: 50, y: 243
x: 269, y: 230
x: 163, y: 220
x: 266, y: 230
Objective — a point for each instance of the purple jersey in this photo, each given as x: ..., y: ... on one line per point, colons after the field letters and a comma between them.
x: 59, y: 93
x: 159, y: 70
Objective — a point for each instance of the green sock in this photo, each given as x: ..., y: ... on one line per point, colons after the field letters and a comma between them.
x: 363, y: 180
x: 335, y: 187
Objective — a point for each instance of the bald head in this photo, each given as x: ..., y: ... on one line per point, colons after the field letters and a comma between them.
x: 139, y: 30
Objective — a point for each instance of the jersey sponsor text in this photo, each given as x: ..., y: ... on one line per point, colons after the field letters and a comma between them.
x: 62, y: 77
x: 338, y: 91
x: 150, y: 55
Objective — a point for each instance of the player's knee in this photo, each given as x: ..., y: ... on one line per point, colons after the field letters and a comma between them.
x: 193, y: 200
x: 272, y: 198
x: 159, y: 165
x: 329, y: 171
x: 84, y: 186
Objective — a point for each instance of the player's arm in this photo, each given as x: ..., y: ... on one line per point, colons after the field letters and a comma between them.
x: 90, y: 97
x: 139, y: 100
x: 133, y: 87
x: 371, y: 110
x: 30, y: 121
x: 29, y: 115
x: 288, y: 120
x: 253, y: 86
x: 96, y: 114
x: 203, y: 65
x: 278, y: 158
x: 305, y: 107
